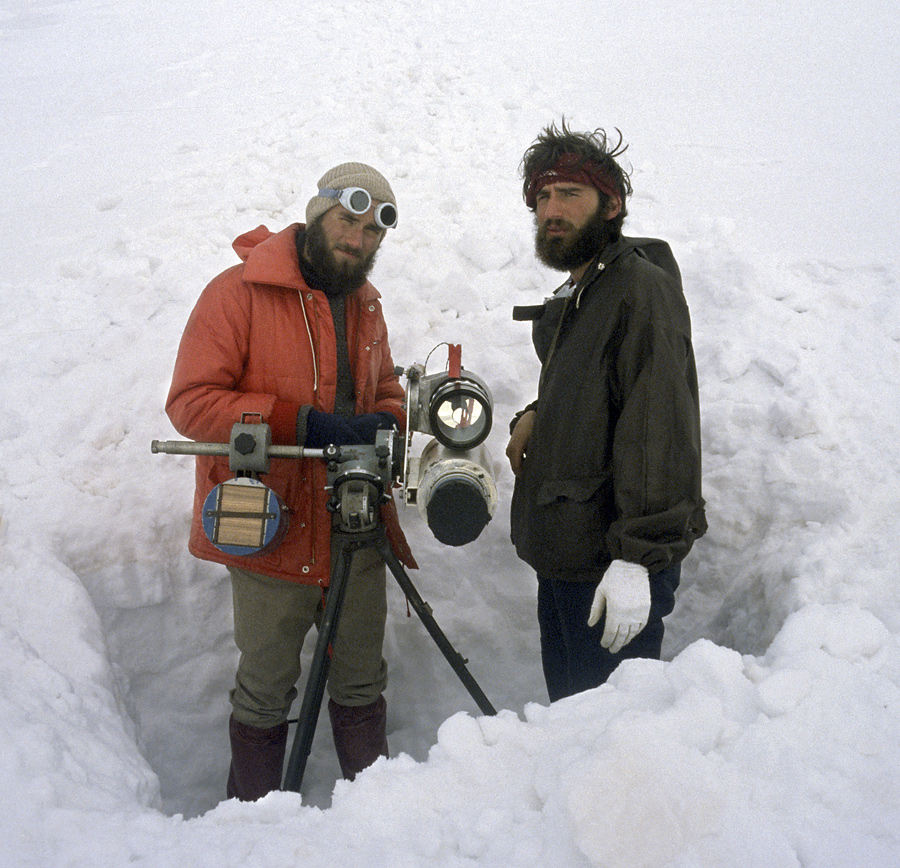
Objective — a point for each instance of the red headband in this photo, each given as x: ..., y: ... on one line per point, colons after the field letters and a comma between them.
x: 575, y: 168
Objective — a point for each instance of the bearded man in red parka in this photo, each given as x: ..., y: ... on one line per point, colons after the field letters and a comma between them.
x: 295, y: 335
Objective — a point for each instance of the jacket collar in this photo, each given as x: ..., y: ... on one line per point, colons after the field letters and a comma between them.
x: 270, y: 258
x: 608, y: 254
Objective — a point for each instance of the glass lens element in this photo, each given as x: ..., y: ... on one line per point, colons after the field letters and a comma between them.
x: 386, y: 215
x: 359, y: 201
x: 460, y: 414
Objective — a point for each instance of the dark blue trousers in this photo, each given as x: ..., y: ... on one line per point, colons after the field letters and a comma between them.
x: 571, y: 653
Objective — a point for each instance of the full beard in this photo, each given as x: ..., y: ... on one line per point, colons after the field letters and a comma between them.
x: 341, y: 277
x: 568, y: 252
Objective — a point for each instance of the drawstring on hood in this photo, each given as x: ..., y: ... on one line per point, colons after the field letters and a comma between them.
x: 312, y: 343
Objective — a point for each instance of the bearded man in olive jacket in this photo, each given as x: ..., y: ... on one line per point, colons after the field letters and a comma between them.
x: 607, y: 497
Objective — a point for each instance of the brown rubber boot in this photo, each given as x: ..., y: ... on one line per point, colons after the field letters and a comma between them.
x: 257, y: 758
x: 359, y: 734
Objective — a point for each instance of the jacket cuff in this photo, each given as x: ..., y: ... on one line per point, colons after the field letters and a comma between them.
x: 283, y: 422
x: 520, y: 414
x: 301, y: 423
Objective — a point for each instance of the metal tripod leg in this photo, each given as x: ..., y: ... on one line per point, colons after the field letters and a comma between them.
x: 318, y: 670
x: 423, y: 610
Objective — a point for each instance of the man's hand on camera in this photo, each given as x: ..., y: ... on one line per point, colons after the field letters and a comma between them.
x: 518, y: 442
x: 624, y: 593
x: 324, y: 429
x: 367, y: 425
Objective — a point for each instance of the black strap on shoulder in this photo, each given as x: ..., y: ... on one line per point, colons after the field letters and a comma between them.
x: 527, y: 312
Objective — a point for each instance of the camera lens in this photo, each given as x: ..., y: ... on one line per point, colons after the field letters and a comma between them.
x: 457, y: 511
x: 460, y: 414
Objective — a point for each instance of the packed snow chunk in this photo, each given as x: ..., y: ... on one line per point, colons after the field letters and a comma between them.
x: 646, y: 798
x: 459, y: 734
x: 68, y: 745
x: 843, y: 631
x: 783, y: 691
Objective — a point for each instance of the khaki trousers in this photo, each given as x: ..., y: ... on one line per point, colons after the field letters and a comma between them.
x: 271, y: 620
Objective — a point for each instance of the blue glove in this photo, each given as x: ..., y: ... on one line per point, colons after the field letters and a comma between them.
x: 323, y: 429
x: 368, y: 424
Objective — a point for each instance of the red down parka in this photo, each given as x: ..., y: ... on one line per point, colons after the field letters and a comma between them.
x: 260, y: 341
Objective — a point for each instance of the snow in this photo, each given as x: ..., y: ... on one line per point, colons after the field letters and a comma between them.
x: 139, y: 138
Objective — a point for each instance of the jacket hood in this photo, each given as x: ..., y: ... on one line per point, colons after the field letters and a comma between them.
x: 244, y: 244
x: 271, y: 258
x: 653, y: 250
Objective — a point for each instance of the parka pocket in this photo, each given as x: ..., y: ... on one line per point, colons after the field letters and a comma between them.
x: 562, y: 525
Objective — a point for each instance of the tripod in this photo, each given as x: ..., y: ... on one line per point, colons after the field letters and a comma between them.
x: 358, y: 477
x: 348, y: 543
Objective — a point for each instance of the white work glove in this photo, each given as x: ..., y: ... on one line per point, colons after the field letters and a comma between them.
x: 624, y: 592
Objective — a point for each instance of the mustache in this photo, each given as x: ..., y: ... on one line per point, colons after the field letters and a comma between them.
x: 346, y: 248
x: 554, y: 223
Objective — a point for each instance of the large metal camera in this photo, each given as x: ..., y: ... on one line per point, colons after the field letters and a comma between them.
x: 451, y: 480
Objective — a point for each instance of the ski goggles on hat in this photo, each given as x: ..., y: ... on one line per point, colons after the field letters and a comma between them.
x: 358, y: 201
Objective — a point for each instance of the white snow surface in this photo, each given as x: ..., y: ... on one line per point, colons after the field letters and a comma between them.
x: 139, y: 138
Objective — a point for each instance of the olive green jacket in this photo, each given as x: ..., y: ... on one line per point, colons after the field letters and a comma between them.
x: 612, y: 469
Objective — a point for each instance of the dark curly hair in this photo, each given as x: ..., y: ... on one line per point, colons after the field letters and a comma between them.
x: 596, y: 147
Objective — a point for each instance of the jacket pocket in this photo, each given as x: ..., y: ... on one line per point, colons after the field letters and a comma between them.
x: 560, y: 525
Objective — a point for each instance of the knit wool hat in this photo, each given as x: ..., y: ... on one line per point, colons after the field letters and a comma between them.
x: 349, y: 175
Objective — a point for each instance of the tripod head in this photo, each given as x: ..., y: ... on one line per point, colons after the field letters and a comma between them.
x: 360, y: 479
